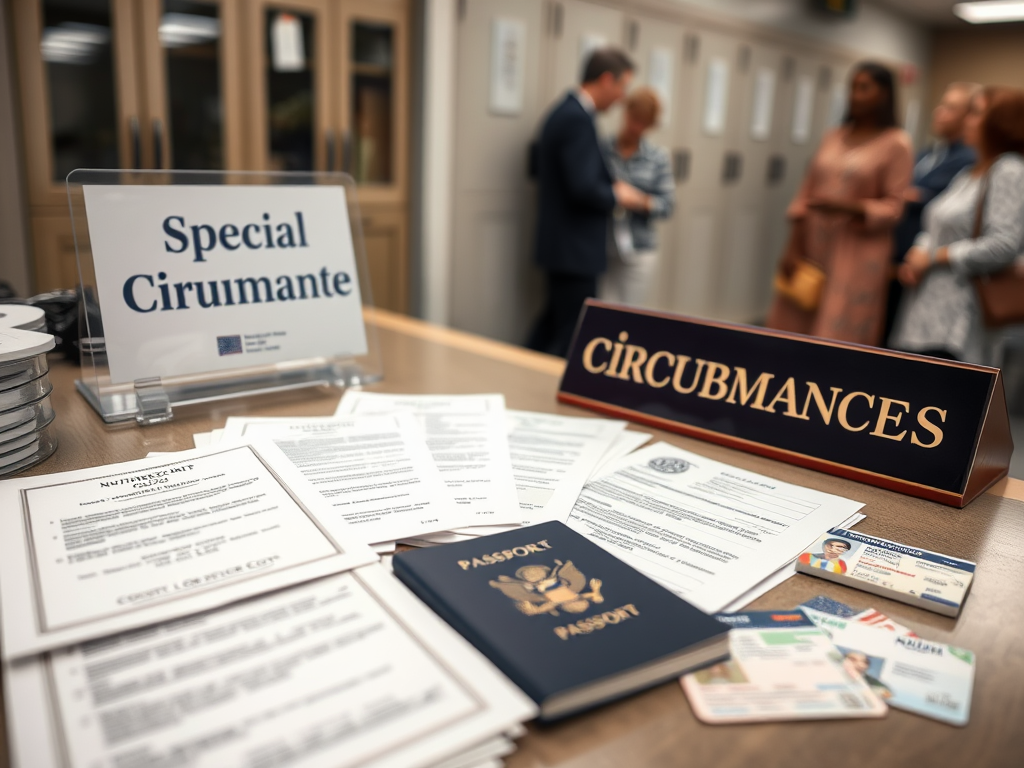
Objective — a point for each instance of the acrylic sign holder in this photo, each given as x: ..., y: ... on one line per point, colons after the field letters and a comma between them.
x: 150, y: 400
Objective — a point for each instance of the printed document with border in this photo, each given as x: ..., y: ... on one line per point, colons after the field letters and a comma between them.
x: 376, y: 472
x: 706, y: 530
x: 350, y: 669
x: 101, y: 550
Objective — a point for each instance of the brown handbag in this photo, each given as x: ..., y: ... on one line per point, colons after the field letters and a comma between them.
x: 805, y: 284
x: 1001, y: 294
x: 804, y: 287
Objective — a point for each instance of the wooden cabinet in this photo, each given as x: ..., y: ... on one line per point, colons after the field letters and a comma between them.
x: 191, y: 96
x: 76, y: 65
x: 386, y: 240
x: 289, y: 85
x: 372, y: 109
x: 53, y: 240
x: 297, y: 85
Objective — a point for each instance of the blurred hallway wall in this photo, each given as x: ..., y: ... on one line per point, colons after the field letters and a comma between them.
x: 986, y: 54
x: 476, y: 250
x: 873, y: 31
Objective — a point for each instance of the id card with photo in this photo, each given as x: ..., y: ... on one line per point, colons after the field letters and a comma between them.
x: 782, y: 667
x: 930, y: 679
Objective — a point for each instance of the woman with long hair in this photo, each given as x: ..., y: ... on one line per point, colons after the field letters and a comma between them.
x: 843, y: 217
x: 975, y: 227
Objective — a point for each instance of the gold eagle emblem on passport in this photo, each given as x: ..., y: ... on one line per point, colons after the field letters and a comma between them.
x: 538, y: 589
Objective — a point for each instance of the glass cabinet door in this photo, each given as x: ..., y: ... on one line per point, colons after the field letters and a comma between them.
x: 371, y: 85
x: 193, y: 102
x: 290, y: 130
x: 373, y: 94
x: 78, y: 90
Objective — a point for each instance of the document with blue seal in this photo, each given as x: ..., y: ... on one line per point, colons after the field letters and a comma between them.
x: 567, y: 622
x: 709, y: 531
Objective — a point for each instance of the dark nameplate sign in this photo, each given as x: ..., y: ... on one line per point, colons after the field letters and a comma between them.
x: 918, y: 425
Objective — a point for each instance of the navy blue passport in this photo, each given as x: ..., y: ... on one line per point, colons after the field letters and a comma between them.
x: 569, y: 623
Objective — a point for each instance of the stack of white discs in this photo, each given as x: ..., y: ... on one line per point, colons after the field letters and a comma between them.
x: 26, y: 415
x: 23, y: 317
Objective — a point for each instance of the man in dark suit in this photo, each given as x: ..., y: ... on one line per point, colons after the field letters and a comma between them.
x: 935, y: 169
x: 576, y: 196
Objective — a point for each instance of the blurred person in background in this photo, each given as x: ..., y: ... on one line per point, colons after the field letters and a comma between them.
x: 933, y: 172
x: 844, y: 214
x: 940, y: 314
x: 576, y: 195
x: 633, y: 254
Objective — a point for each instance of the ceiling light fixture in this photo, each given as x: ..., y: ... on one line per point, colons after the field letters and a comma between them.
x: 990, y: 11
x: 73, y: 43
x: 178, y: 30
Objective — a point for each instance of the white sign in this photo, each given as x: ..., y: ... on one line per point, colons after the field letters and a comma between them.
x: 508, y: 66
x: 194, y: 279
x: 803, y: 108
x: 764, y: 103
x: 660, y: 79
x: 287, y: 48
x: 716, y: 97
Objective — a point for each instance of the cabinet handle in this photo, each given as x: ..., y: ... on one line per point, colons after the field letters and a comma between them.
x: 681, y: 165
x: 158, y: 144
x: 330, y: 150
x: 732, y: 168
x: 133, y: 126
x: 346, y: 152
x: 691, y: 48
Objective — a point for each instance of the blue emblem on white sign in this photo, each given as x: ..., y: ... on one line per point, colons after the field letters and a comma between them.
x: 229, y: 345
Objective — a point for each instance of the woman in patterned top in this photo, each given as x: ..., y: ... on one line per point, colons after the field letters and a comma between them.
x: 633, y: 253
x: 941, y: 315
x: 844, y: 214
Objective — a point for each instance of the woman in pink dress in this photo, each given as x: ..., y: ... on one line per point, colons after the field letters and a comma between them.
x: 844, y: 214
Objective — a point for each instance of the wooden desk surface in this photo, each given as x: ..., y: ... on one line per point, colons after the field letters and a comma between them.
x: 657, y: 728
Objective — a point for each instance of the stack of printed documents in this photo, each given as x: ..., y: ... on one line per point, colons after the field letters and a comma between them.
x: 716, y: 535
x: 435, y: 469
x: 211, y: 608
